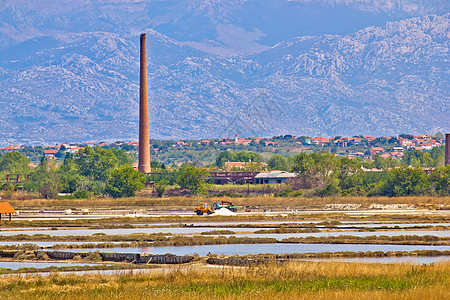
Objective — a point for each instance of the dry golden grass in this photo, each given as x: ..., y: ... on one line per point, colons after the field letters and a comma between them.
x: 293, y: 280
x: 260, y: 201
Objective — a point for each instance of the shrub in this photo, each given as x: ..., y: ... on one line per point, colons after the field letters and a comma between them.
x: 161, y: 187
x: 124, y: 182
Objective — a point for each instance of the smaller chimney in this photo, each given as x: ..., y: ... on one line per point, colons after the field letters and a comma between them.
x: 447, y: 149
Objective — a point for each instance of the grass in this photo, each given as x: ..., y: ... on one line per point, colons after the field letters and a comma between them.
x: 221, y: 259
x: 129, y: 222
x: 76, y: 268
x: 292, y: 280
x: 159, y: 240
x: 265, y: 201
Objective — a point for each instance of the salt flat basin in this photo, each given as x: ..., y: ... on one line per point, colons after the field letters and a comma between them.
x: 386, y: 259
x: 2, y: 229
x: 344, y: 223
x: 14, y: 265
x: 401, y: 225
x: 280, y: 236
x: 196, y: 230
x: 46, y: 243
x: 244, y: 249
x: 122, y: 231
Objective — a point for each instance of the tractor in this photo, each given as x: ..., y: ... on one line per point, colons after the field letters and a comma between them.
x: 226, y: 204
x: 203, y: 209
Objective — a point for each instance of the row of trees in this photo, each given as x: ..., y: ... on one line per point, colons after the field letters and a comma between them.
x: 96, y: 171
x: 326, y: 175
x: 415, y: 158
x: 91, y: 171
x: 242, y: 156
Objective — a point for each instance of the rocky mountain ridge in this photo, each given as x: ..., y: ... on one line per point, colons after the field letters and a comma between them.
x: 84, y: 86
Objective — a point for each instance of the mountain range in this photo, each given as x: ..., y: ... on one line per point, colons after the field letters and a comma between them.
x: 215, y: 68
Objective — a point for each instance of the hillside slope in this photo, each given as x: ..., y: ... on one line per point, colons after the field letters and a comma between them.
x: 84, y: 86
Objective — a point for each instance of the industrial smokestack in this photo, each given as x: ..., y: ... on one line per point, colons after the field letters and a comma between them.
x: 144, y: 136
x: 447, y: 149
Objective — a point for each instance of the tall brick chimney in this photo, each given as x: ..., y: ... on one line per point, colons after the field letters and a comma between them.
x: 447, y: 149
x: 144, y: 136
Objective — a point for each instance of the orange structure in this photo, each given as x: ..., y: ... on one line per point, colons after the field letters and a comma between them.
x: 6, y: 208
x: 144, y: 136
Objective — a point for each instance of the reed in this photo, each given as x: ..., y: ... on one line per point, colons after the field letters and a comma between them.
x: 293, y: 280
x: 158, y: 240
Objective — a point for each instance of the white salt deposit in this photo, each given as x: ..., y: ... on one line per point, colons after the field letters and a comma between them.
x: 223, y: 212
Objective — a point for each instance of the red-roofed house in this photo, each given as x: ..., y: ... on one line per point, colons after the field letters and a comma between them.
x: 180, y: 144
x: 229, y: 165
x: 243, y: 141
x: 397, y: 154
x: 50, y: 153
x: 11, y: 148
x: 425, y: 136
x: 375, y: 150
x: 355, y: 140
x: 319, y: 141
x: 340, y: 143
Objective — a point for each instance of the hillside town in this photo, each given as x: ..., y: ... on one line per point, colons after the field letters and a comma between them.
x: 178, y: 152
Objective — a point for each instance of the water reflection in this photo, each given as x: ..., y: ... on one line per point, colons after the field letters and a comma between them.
x: 244, y: 249
x: 388, y: 260
x: 198, y: 230
x: 14, y: 265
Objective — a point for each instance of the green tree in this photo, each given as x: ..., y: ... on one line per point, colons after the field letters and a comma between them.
x: 440, y: 180
x: 69, y: 175
x: 406, y: 136
x: 96, y: 163
x: 350, y: 176
x: 45, y: 180
x: 161, y: 187
x: 426, y: 160
x: 405, y: 181
x: 278, y: 162
x: 248, y: 157
x: 385, y: 163
x: 154, y: 164
x: 438, y: 155
x: 224, y: 157
x: 315, y: 170
x: 124, y: 182
x: 192, y: 178
x: 14, y: 162
x: 124, y: 158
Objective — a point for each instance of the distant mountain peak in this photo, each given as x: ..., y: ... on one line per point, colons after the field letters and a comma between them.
x: 72, y: 84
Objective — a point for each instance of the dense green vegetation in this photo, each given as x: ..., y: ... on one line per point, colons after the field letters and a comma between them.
x: 324, y: 174
x: 192, y: 178
x: 92, y: 171
x: 242, y: 156
x: 107, y: 171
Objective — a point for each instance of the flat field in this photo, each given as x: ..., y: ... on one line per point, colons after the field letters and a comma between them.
x: 254, y: 202
x: 290, y: 280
